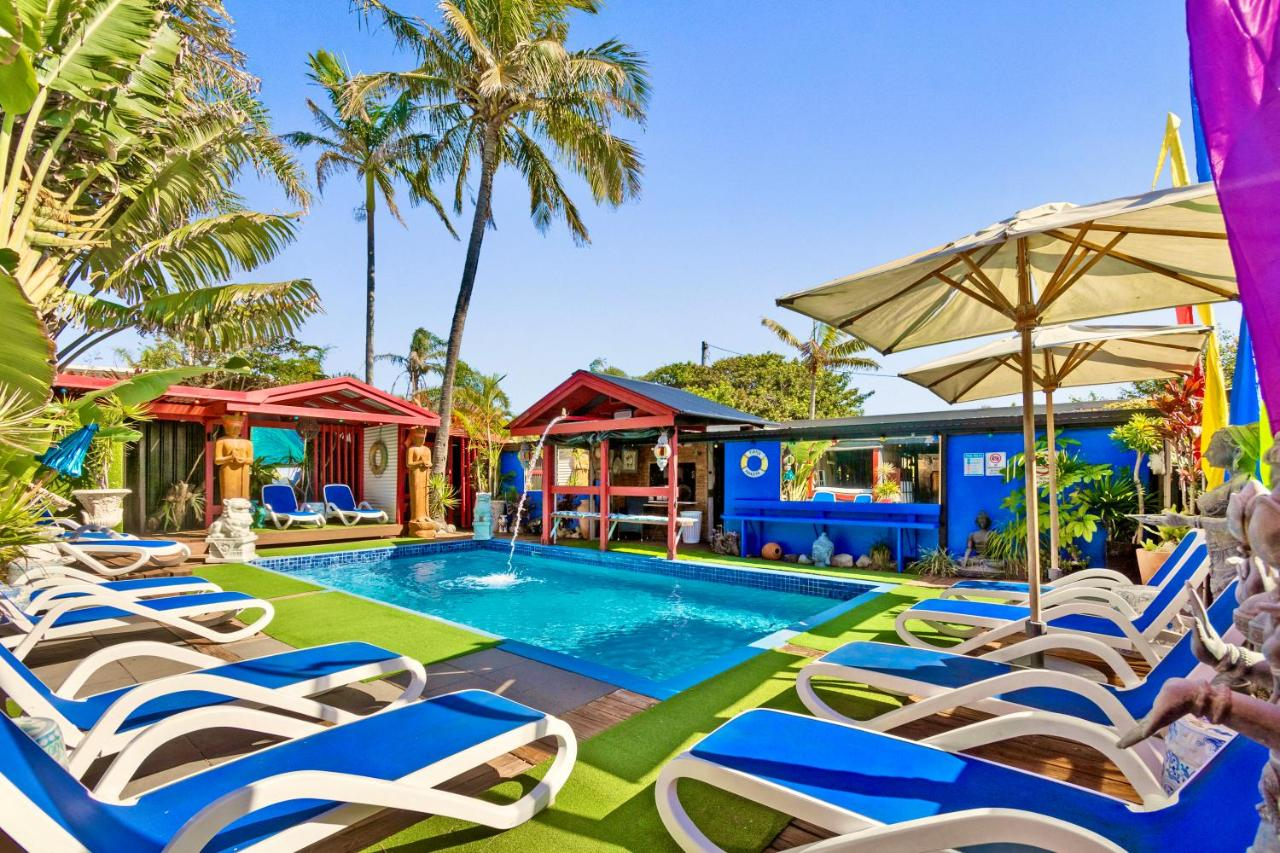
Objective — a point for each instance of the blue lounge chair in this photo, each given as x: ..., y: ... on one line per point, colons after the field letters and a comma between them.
x: 883, y: 792
x: 823, y: 497
x: 863, y: 498
x: 340, y: 503
x: 944, y: 681
x: 1103, y: 579
x: 88, y: 550
x: 97, y: 609
x: 290, y: 795
x: 283, y: 510
x: 1119, y: 625
x: 45, y: 591
x: 101, y: 724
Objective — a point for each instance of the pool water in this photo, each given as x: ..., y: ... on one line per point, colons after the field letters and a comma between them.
x: 654, y: 626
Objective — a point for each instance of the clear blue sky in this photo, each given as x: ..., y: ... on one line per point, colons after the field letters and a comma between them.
x: 787, y: 144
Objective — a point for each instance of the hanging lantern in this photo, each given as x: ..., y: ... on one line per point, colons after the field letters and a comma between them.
x: 662, y: 451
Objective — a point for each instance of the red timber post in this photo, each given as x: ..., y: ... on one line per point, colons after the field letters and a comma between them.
x: 209, y: 474
x: 604, y: 494
x: 548, y: 496
x: 673, y: 493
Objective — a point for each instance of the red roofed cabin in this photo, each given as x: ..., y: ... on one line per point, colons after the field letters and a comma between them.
x: 616, y: 418
x: 349, y: 425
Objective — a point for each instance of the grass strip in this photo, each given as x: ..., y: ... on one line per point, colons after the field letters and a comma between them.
x: 254, y: 581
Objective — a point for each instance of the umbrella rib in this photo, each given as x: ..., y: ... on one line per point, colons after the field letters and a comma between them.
x: 1151, y: 266
x: 981, y: 277
x: 984, y: 298
x: 974, y: 384
x: 924, y: 279
x: 1098, y: 254
x: 1162, y: 232
x: 961, y: 369
x: 1055, y: 280
x: 924, y: 317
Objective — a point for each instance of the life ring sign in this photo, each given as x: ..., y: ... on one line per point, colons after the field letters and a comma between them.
x: 378, y: 458
x: 754, y: 463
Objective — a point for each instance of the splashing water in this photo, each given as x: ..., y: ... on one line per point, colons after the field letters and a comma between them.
x: 524, y: 494
x: 497, y: 580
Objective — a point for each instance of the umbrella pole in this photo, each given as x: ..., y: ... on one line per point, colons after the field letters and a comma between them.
x: 1054, y: 533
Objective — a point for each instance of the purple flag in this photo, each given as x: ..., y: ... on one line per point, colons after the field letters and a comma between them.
x: 1235, y: 61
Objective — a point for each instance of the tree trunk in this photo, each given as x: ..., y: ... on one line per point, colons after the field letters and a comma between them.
x: 480, y: 221
x: 369, y: 200
x: 1137, y: 488
x: 813, y: 396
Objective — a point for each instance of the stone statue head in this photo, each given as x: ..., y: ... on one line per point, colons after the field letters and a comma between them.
x: 233, y: 424
x: 417, y: 436
x: 983, y: 520
x: 1223, y: 451
x: 1272, y: 458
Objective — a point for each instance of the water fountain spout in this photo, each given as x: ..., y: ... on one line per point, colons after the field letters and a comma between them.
x: 528, y: 476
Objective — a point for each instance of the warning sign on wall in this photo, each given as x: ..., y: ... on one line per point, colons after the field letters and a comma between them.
x: 996, y: 460
x: 973, y: 463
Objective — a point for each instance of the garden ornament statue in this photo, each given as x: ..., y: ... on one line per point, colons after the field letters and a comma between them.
x: 231, y: 538
x: 1223, y: 452
x: 1245, y: 695
x: 822, y: 550
x: 417, y: 461
x: 975, y: 547
x: 233, y: 455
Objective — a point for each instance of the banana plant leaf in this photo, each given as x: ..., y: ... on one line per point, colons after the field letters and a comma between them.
x: 26, y: 353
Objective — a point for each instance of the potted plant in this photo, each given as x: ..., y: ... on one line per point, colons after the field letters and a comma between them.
x: 483, y: 410
x: 104, y: 505
x: 1113, y: 500
x: 886, y: 490
x: 1141, y: 434
x: 1153, y: 552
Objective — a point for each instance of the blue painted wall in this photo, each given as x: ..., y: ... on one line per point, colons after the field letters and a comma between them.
x: 798, y: 538
x: 965, y: 496
x: 510, y: 464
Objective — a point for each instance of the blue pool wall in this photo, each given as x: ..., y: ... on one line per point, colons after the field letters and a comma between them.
x: 963, y: 496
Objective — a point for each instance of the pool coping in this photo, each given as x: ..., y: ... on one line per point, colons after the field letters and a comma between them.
x: 660, y: 690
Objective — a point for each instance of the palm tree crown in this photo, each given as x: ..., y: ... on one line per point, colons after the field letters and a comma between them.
x: 500, y: 87
x: 383, y: 145
x: 828, y: 349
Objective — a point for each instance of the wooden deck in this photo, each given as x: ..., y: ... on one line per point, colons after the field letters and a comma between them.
x: 332, y: 533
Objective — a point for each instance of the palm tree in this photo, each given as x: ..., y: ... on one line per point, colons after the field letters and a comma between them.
x: 382, y: 145
x: 483, y: 411
x: 425, y: 357
x: 827, y: 350
x: 500, y: 87
x: 119, y: 153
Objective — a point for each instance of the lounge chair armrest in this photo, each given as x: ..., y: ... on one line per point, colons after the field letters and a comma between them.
x: 398, y: 794
x: 969, y: 828
x: 1093, y: 577
x: 1043, y: 723
x: 1090, y: 593
x: 85, y: 670
x: 109, y: 723
x: 1068, y: 642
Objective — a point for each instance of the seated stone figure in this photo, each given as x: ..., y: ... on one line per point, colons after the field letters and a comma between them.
x: 975, y: 547
x: 1223, y: 452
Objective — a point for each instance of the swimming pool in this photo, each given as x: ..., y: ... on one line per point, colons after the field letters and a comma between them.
x: 645, y: 624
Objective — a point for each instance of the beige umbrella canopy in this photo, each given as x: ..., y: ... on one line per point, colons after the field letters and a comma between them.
x: 1066, y: 356
x: 1057, y: 263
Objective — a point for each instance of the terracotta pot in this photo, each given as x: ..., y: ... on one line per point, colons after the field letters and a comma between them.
x: 1149, y: 562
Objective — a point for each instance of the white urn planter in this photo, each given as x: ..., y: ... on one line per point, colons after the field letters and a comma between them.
x: 102, y: 507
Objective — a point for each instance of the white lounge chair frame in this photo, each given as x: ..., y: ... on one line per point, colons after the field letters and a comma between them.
x: 183, y: 619
x: 944, y: 832
x: 349, y: 517
x: 86, y: 552
x: 283, y: 520
x: 362, y: 796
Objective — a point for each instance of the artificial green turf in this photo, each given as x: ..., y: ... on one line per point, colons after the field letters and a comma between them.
x: 335, y: 617
x: 329, y: 547
x: 705, y: 555
x: 254, y: 581
x: 873, y: 620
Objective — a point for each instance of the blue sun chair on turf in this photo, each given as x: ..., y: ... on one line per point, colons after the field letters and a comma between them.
x: 92, y: 550
x: 283, y: 510
x: 287, y: 796
x: 340, y: 503
x: 1102, y: 579
x: 97, y: 609
x: 39, y: 588
x: 943, y: 681
x: 879, y: 792
x: 1119, y: 625
x: 101, y: 724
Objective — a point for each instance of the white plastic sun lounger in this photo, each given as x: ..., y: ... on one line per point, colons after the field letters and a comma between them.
x: 1119, y: 625
x: 341, y: 504
x: 283, y: 510
x: 97, y: 609
x: 876, y: 792
x: 1078, y: 583
x: 145, y: 552
x: 288, y: 796
x: 943, y: 681
x: 41, y: 580
x: 103, y: 723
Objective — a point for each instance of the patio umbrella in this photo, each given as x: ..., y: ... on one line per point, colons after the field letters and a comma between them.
x: 1066, y: 356
x: 67, y: 456
x: 1057, y: 263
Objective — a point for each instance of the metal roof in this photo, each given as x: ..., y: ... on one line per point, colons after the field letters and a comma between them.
x: 683, y: 402
x: 945, y: 421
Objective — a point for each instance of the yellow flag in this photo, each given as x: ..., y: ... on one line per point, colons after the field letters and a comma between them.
x: 1265, y: 440
x: 1213, y: 413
